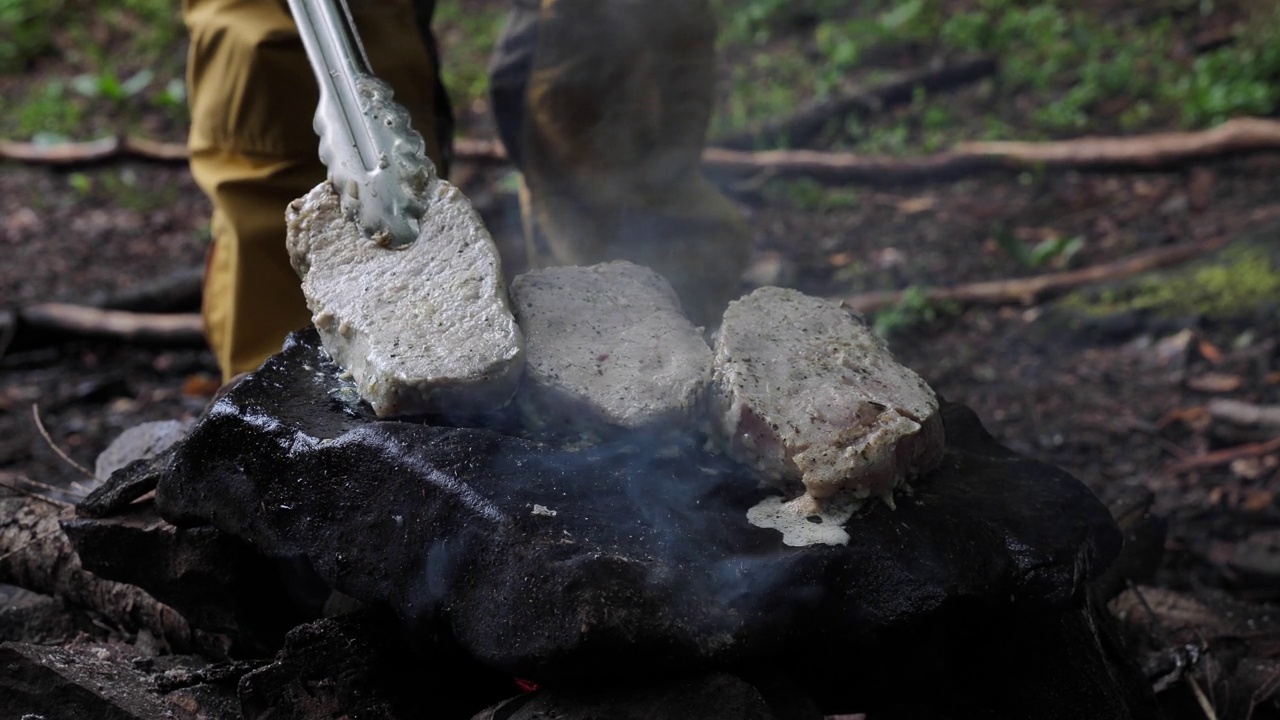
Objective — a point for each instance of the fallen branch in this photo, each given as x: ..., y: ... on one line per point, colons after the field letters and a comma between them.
x: 35, y: 417
x: 176, y: 292
x: 1139, y: 152
x: 802, y: 128
x: 1160, y: 151
x: 35, y: 554
x: 1243, y: 413
x: 1226, y: 455
x: 94, y: 151
x: 1029, y: 290
x: 182, y: 329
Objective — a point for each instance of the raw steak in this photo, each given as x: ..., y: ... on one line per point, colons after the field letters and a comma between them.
x: 425, y: 328
x: 607, y: 348
x: 805, y: 391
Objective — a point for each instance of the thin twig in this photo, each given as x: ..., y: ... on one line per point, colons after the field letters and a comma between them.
x: 38, y: 538
x: 35, y: 413
x: 1226, y: 455
x: 1157, y: 625
x: 1205, y: 705
x: 1264, y: 691
x: 1028, y: 290
x: 9, y: 481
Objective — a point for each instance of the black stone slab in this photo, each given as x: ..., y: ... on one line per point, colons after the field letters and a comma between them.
x: 648, y: 561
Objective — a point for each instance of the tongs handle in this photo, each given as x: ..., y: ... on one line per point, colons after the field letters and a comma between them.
x: 376, y: 160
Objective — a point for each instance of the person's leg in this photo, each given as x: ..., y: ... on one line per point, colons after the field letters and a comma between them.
x: 604, y: 106
x: 253, y: 150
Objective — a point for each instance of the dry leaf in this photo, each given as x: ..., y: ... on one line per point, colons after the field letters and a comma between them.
x: 1252, y: 469
x: 1215, y: 383
x: 1172, y: 610
x: 200, y: 385
x: 1200, y: 188
x: 1255, y: 499
x: 840, y: 259
x: 1210, y: 352
x: 911, y: 206
x: 1197, y: 418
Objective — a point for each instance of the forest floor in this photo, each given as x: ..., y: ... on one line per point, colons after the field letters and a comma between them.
x: 1113, y: 383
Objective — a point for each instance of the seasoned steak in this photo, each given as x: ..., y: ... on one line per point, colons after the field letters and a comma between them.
x: 805, y: 391
x: 425, y: 328
x: 607, y: 348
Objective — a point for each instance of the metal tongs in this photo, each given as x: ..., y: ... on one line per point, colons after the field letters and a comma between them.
x: 376, y: 160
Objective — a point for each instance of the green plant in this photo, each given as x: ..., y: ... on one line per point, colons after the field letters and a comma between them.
x: 81, y: 183
x: 1232, y: 80
x: 467, y: 36
x: 26, y: 31
x: 1057, y: 250
x: 46, y: 109
x: 912, y: 310
x: 107, y: 84
x: 810, y: 195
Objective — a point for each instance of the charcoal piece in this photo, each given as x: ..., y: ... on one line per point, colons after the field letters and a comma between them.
x: 48, y: 682
x: 131, y: 466
x: 557, y: 565
x: 31, y: 617
x: 712, y: 697
x: 355, y: 666
x: 220, y: 585
x: 144, y: 440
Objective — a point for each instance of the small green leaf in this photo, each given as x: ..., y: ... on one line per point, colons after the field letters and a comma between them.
x: 86, y: 85
x: 902, y: 14
x: 137, y: 82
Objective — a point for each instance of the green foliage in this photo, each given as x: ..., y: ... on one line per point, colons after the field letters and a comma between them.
x: 467, y: 37
x: 108, y: 64
x: 754, y: 22
x: 913, y: 310
x: 1057, y: 251
x: 108, y: 85
x: 810, y: 195
x: 1077, y: 62
x: 26, y: 31
x: 1236, y: 282
x: 81, y: 183
x: 1071, y: 69
x: 48, y: 111
x: 1239, y: 79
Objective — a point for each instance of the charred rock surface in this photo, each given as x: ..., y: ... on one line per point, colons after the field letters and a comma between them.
x: 563, y: 565
x: 713, y: 697
x: 233, y: 596
x: 53, y: 682
x: 355, y: 665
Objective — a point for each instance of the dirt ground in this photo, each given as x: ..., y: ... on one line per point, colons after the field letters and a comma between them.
x: 1116, y: 398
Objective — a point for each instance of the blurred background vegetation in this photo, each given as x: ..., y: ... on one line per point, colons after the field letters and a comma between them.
x: 83, y: 68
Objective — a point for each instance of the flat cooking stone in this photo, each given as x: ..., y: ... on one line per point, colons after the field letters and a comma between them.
x: 620, y: 558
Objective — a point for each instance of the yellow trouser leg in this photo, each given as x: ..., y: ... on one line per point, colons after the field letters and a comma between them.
x: 253, y: 150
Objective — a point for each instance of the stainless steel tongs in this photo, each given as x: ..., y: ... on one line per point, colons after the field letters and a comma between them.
x: 376, y: 160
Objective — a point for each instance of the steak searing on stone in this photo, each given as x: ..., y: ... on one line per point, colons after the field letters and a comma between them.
x: 607, y: 348
x: 421, y: 329
x: 805, y: 391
